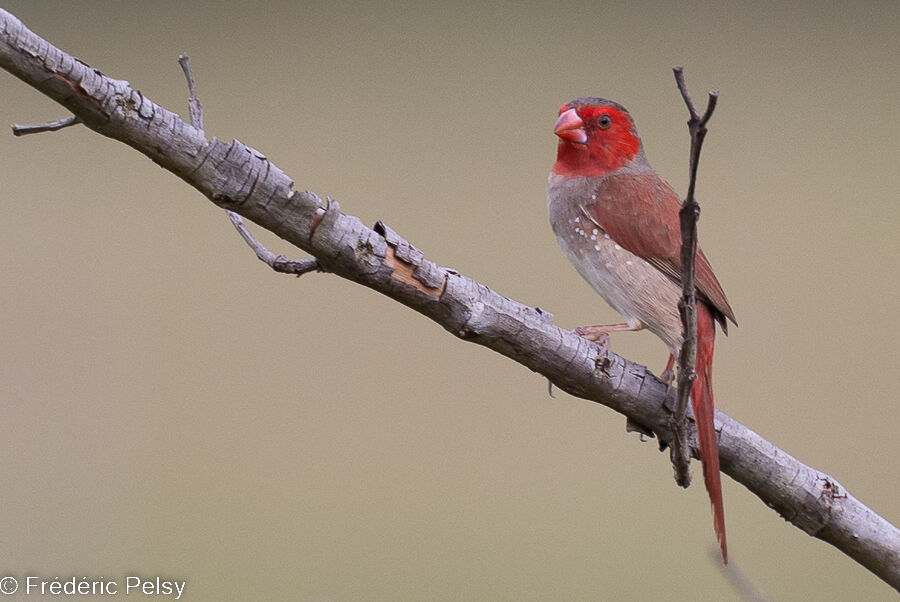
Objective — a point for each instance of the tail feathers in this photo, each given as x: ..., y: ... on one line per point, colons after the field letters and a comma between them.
x: 704, y: 415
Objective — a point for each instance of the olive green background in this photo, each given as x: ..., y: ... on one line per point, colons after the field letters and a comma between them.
x: 172, y: 407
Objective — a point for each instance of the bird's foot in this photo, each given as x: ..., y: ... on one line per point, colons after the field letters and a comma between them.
x: 595, y: 334
x: 601, y: 337
x: 600, y: 332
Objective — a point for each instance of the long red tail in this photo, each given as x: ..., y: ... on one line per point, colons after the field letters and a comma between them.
x: 704, y: 415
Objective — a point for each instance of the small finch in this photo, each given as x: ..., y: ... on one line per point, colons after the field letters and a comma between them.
x: 617, y: 221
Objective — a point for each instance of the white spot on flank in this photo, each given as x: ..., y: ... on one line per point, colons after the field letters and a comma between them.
x: 593, y: 237
x: 605, y: 235
x: 594, y: 197
x: 608, y: 266
x: 576, y: 220
x: 628, y: 262
x: 618, y: 248
x: 594, y: 231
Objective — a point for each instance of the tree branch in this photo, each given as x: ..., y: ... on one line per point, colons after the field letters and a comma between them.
x: 239, y: 178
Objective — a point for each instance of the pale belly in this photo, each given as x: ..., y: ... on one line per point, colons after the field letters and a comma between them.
x: 642, y: 294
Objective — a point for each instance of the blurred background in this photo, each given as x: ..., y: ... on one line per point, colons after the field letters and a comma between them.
x: 173, y: 407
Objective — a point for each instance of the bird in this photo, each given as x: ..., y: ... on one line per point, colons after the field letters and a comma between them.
x: 617, y: 221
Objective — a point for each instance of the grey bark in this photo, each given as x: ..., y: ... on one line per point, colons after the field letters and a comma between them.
x: 241, y: 179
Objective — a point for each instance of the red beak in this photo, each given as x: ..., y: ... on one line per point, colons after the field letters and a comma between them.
x: 570, y: 127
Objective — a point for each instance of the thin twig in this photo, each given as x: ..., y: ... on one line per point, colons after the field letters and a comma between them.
x: 279, y: 263
x: 687, y: 306
x: 52, y: 126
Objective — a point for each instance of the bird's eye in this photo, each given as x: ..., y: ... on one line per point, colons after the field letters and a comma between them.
x: 604, y: 121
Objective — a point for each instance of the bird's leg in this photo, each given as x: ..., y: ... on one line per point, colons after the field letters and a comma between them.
x: 599, y: 333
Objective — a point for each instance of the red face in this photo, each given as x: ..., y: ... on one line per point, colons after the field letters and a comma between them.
x: 594, y: 139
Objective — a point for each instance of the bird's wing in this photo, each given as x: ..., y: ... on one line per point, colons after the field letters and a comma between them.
x: 640, y: 213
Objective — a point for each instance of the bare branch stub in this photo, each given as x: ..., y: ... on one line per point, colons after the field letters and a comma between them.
x: 52, y: 126
x: 687, y: 305
x: 279, y: 263
x: 195, y: 108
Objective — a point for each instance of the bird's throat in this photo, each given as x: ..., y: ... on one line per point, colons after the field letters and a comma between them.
x: 590, y: 160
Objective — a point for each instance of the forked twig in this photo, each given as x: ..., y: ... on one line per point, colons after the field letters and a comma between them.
x: 687, y: 305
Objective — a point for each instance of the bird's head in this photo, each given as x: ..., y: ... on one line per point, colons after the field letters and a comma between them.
x: 596, y: 137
